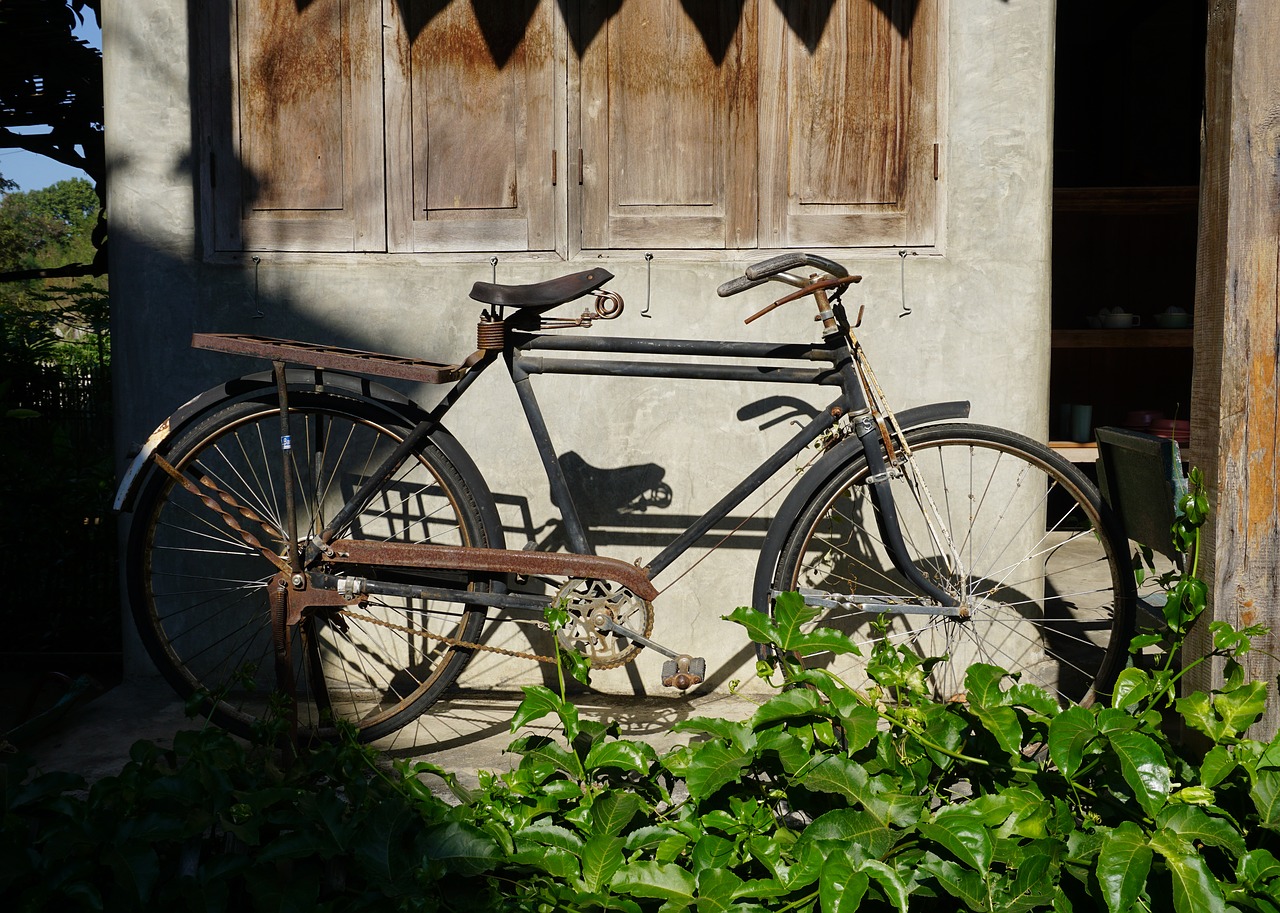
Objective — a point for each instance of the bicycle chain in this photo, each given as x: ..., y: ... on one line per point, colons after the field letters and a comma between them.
x: 445, y: 639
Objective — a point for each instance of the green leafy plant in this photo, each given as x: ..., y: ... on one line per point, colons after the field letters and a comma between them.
x: 827, y: 798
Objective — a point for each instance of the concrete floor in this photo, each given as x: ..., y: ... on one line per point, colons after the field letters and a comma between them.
x: 467, y: 732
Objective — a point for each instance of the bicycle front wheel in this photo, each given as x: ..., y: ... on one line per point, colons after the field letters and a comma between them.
x: 199, y: 589
x: 1015, y: 533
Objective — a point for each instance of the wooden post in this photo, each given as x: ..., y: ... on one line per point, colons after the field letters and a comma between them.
x: 1235, y: 408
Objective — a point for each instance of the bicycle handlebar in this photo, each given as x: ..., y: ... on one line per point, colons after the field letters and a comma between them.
x: 762, y: 272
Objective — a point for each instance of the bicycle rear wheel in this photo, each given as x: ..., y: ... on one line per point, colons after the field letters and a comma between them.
x: 199, y: 590
x: 1019, y: 536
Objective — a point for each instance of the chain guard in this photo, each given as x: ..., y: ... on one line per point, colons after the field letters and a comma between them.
x: 592, y: 602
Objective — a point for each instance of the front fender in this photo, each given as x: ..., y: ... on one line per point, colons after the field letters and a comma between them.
x: 817, y: 476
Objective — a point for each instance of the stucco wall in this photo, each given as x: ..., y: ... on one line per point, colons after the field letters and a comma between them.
x: 978, y: 326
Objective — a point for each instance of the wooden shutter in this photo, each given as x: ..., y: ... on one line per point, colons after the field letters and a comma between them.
x: 472, y: 126
x: 848, y: 123
x: 296, y: 138
x: 667, y: 113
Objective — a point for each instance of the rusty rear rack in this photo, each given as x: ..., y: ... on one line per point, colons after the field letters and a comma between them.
x: 332, y: 357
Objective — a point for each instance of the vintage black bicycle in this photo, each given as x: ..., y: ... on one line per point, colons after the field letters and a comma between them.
x: 309, y: 531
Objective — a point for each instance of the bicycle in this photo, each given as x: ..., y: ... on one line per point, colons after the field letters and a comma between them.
x: 310, y: 531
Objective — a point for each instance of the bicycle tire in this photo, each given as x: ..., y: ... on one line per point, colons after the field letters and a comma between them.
x: 1042, y: 569
x: 198, y: 591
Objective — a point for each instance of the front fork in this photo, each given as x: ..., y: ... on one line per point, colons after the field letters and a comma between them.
x: 886, y: 510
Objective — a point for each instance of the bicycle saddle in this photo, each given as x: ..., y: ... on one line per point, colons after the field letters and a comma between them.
x: 541, y: 294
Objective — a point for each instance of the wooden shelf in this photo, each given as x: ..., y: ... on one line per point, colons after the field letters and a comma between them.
x: 1076, y: 453
x: 1122, y: 339
x: 1126, y: 200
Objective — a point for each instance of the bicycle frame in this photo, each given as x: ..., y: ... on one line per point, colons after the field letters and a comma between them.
x: 523, y: 358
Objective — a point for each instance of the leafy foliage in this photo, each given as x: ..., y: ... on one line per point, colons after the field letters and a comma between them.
x: 825, y: 799
x: 51, y: 100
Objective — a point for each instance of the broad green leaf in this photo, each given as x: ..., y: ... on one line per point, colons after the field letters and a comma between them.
x: 860, y: 726
x: 1196, y: 826
x: 1217, y: 765
x: 1015, y: 812
x: 1241, y: 708
x: 791, y: 751
x: 836, y: 774
x: 840, y: 888
x: 851, y: 827
x: 540, y: 748
x: 1266, y: 796
x: 1132, y: 685
x: 962, y: 832
x: 653, y: 879
x: 711, y: 851
x: 555, y: 861
x: 540, y: 701
x: 964, y: 884
x: 650, y: 835
x: 1069, y: 733
x: 1197, y: 710
x: 465, y: 850
x: 822, y: 640
x: 735, y: 732
x: 1124, y: 861
x: 891, y: 883
x: 717, y: 890
x: 1035, y: 699
x: 760, y: 627
x: 712, y: 766
x: 982, y: 685
x: 796, y: 702
x: 611, y: 813
x: 622, y: 755
x: 1143, y: 766
x: 546, y: 834
x: 601, y: 858
x: 1195, y: 888
x: 1004, y: 726
x: 1110, y: 720
x: 1256, y: 868
x: 790, y: 613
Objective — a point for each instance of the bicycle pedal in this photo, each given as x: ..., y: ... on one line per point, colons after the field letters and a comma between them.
x: 684, y: 672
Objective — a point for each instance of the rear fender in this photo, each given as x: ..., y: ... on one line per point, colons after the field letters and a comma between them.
x: 242, y: 388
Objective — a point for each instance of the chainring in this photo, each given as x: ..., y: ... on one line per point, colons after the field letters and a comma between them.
x: 590, y: 603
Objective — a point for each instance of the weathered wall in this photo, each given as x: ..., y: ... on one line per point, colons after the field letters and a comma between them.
x: 978, y: 327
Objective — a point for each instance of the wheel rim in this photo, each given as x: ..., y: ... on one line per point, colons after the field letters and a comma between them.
x: 205, y: 588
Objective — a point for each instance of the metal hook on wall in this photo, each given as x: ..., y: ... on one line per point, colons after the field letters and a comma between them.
x: 648, y: 295
x: 902, y: 281
x: 257, y: 307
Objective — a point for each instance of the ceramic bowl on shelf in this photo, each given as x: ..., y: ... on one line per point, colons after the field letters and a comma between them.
x: 1169, y: 321
x: 1119, y: 321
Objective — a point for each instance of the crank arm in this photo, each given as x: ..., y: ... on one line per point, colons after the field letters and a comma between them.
x: 877, y: 606
x: 611, y: 625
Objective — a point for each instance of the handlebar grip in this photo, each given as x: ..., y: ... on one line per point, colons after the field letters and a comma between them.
x: 783, y: 262
x: 740, y: 284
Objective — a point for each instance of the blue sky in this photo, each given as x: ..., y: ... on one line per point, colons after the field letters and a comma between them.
x: 33, y: 172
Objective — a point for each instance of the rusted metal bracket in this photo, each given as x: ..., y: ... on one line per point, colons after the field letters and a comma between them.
x: 494, y: 561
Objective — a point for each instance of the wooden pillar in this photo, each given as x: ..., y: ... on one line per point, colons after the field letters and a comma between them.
x: 1235, y: 408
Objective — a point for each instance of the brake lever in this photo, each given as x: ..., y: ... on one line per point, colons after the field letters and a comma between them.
x: 820, y: 285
